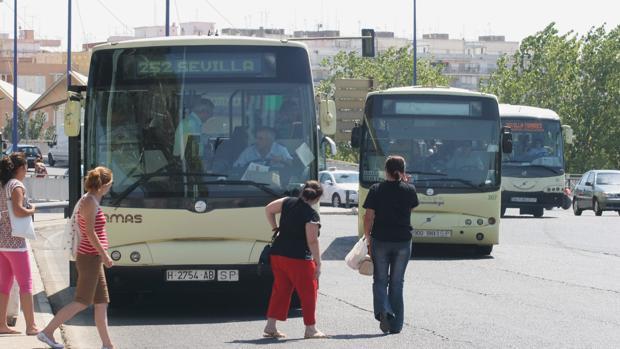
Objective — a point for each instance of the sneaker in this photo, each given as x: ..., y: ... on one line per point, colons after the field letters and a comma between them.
x: 45, y: 339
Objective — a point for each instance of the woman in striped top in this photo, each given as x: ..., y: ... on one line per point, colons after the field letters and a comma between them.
x: 92, y: 256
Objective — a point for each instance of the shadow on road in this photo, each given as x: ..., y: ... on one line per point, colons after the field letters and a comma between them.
x: 339, y: 248
x: 527, y: 217
x: 270, y: 341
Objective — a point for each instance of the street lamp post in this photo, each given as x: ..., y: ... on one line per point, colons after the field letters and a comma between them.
x: 14, y: 130
x: 415, y: 47
x: 167, y: 17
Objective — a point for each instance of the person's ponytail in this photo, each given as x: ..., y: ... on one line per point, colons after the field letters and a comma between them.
x: 395, y: 167
x: 311, y: 191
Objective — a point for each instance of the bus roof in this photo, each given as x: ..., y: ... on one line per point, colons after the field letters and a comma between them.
x: 194, y: 40
x: 510, y: 110
x: 425, y: 90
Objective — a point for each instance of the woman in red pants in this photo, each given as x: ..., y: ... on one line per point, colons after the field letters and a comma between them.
x: 295, y: 259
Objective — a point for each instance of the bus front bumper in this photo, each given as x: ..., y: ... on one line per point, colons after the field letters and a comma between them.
x: 174, y: 278
x: 513, y: 199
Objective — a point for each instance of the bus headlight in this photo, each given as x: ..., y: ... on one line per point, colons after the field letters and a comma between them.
x: 116, y: 255
x: 492, y: 220
x: 135, y: 256
x: 468, y: 221
x: 480, y: 221
x: 479, y: 236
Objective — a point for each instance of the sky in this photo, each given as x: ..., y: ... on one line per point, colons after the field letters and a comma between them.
x: 96, y: 20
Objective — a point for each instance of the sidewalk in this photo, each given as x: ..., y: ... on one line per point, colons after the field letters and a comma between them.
x: 43, y: 310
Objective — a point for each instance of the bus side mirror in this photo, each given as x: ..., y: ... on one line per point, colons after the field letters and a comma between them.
x: 567, y: 131
x: 506, y: 140
x: 73, y: 111
x: 327, y: 116
x: 356, y: 135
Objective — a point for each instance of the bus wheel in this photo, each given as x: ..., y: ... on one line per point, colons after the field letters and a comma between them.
x: 576, y: 210
x: 503, y: 213
x: 336, y: 200
x: 538, y: 212
x: 597, y: 208
x: 484, y: 250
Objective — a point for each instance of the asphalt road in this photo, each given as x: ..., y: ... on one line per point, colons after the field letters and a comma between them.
x: 552, y: 282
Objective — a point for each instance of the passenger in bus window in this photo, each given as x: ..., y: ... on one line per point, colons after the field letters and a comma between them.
x: 265, y: 151
x: 464, y: 159
x: 288, y: 124
x: 191, y: 124
x: 537, y: 150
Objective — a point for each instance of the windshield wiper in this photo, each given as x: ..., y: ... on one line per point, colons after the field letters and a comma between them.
x: 262, y: 186
x: 147, y: 176
x: 460, y: 180
x: 426, y: 173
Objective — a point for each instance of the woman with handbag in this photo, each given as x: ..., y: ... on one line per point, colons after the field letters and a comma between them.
x: 92, y: 256
x: 295, y: 259
x: 14, y: 257
x: 387, y: 228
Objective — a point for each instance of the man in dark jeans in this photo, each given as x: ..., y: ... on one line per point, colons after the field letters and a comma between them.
x: 387, y: 228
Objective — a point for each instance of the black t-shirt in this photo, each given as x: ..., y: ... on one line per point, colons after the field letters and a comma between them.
x: 392, y: 202
x: 291, y: 241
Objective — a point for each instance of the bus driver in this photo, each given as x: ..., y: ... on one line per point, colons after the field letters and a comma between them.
x: 265, y: 151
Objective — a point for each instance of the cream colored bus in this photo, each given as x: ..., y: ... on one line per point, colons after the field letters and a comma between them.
x: 451, y: 140
x: 184, y: 123
x: 533, y: 176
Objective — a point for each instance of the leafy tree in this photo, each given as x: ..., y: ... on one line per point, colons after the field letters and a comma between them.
x: 35, y: 125
x: 390, y: 68
x: 8, y: 127
x: 50, y: 133
x: 579, y: 78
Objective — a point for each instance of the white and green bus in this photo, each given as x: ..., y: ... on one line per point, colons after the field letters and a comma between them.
x: 451, y: 140
x: 184, y: 211
x: 533, y: 176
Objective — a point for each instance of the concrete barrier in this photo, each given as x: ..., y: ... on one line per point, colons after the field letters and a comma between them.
x: 49, y: 188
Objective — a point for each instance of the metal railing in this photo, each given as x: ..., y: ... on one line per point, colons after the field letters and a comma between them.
x: 48, y: 188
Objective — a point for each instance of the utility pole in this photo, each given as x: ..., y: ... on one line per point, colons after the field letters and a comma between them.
x: 415, y: 47
x: 14, y: 130
x: 168, y: 17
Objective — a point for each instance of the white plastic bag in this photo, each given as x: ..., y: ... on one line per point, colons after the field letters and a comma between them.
x: 357, y: 254
x: 72, y: 232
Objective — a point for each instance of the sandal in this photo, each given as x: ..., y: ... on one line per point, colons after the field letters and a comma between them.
x: 316, y: 335
x: 275, y: 334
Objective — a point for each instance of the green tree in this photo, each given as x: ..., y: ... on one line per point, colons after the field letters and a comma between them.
x: 8, y: 127
x: 579, y: 78
x: 390, y: 68
x: 35, y: 126
x: 50, y: 133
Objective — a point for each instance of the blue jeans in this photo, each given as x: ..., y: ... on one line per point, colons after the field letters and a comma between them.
x: 390, y: 262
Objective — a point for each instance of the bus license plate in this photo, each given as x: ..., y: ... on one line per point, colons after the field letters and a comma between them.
x: 432, y: 233
x: 519, y: 199
x: 227, y: 275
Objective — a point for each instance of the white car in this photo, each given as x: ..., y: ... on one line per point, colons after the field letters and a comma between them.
x: 336, y: 183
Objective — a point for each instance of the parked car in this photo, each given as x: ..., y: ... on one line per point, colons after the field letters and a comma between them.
x: 597, y: 190
x: 32, y: 152
x: 336, y: 183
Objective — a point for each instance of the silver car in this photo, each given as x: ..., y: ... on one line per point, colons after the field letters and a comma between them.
x: 597, y: 190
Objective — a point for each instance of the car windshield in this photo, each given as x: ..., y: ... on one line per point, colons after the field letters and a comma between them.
x: 608, y: 178
x: 346, y: 177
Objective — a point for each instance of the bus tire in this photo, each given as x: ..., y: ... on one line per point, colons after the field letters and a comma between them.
x: 538, y: 212
x: 484, y: 250
x: 336, y: 202
x: 597, y: 208
x: 576, y: 210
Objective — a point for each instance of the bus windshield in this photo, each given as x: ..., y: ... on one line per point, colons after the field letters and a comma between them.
x: 229, y: 123
x: 449, y: 143
x: 537, y: 143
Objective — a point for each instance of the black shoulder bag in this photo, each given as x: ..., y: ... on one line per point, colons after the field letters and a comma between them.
x: 264, y: 256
